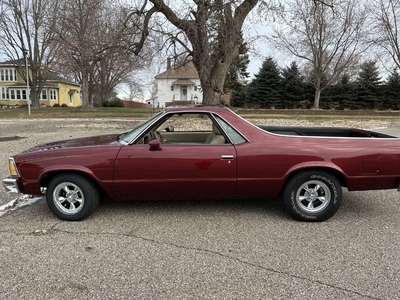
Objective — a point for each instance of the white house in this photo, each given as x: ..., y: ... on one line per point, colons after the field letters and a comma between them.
x: 178, y: 85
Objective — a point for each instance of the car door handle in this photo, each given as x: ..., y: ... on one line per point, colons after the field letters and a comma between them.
x: 227, y: 156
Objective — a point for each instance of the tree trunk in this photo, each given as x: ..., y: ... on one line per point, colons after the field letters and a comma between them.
x: 213, y: 85
x: 34, y: 98
x: 211, y: 56
x: 85, y: 91
x: 317, y: 97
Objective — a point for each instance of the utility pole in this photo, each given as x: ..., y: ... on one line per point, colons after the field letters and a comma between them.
x: 28, y: 98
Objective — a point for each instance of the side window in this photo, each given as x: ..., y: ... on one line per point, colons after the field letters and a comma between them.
x: 189, y: 122
x: 234, y: 136
x: 184, y: 128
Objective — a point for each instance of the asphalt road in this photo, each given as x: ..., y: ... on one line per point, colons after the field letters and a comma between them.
x: 196, y: 249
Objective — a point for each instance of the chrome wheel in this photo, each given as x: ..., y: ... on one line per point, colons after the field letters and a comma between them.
x: 313, y: 196
x: 72, y: 197
x: 68, y: 198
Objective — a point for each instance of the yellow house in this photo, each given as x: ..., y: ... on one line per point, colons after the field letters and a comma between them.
x: 56, y: 92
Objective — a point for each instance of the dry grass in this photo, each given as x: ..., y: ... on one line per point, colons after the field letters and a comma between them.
x: 73, y: 112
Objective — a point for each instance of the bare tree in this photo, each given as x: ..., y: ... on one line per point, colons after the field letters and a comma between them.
x: 329, y: 38
x: 25, y: 32
x: 95, y: 45
x: 79, y: 32
x: 387, y: 17
x: 196, y: 22
x: 116, y: 61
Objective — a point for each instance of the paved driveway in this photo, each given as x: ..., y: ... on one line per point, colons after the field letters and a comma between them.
x: 197, y: 249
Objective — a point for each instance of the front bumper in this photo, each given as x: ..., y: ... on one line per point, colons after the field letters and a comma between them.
x: 11, y: 185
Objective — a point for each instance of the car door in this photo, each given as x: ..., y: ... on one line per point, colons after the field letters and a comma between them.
x: 176, y: 171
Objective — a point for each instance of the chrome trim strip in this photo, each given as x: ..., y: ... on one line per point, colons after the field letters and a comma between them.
x: 212, y: 114
x: 227, y: 156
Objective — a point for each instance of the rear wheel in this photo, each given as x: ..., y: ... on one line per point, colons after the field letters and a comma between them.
x: 312, y: 196
x: 71, y: 197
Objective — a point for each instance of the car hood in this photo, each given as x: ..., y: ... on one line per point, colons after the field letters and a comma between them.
x: 76, y: 143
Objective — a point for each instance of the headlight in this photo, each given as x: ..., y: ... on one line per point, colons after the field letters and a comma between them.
x: 12, y: 167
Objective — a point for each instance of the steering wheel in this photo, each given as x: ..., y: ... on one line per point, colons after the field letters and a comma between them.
x: 160, y: 138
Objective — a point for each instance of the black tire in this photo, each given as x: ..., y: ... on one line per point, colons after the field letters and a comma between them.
x: 312, y: 196
x: 71, y: 197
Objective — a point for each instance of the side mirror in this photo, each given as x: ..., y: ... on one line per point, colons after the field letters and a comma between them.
x: 155, y: 145
x: 170, y: 129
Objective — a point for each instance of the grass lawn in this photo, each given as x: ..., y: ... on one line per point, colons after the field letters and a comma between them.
x: 73, y: 112
x: 116, y: 112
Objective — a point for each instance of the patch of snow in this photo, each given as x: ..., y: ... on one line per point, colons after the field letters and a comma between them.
x: 21, y: 201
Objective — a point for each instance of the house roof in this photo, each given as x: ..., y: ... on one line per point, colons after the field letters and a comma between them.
x: 13, y: 63
x: 16, y: 85
x: 183, y: 81
x: 54, y: 77
x: 182, y: 72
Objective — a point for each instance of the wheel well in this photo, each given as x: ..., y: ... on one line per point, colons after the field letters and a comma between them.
x: 49, y: 176
x: 339, y: 176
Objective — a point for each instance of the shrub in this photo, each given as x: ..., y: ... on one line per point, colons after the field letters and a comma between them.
x: 56, y: 105
x: 64, y: 105
x: 115, y: 102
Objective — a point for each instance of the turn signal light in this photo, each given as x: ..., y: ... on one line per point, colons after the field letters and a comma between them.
x: 12, y: 167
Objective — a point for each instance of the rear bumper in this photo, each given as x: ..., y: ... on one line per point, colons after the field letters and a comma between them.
x: 11, y: 185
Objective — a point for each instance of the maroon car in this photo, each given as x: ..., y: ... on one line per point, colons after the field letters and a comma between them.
x: 205, y: 152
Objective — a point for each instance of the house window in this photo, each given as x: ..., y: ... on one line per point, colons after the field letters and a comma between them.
x: 12, y: 94
x: 53, y: 95
x: 44, y: 94
x: 195, y: 88
x: 4, y: 95
x: 7, y: 75
x: 172, y: 88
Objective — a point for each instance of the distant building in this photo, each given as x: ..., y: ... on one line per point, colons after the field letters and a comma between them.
x: 178, y: 86
x: 57, y: 90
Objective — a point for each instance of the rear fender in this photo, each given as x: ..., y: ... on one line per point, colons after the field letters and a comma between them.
x: 326, y: 166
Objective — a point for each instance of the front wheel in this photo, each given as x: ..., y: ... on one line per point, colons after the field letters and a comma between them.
x: 312, y: 196
x: 71, y: 197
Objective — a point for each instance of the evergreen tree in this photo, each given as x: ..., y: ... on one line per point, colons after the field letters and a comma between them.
x: 392, y: 91
x: 239, y: 97
x: 265, y: 90
x: 369, y: 86
x: 344, y: 94
x: 294, y: 87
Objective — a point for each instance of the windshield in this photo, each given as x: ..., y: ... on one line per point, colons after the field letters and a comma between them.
x: 128, y: 136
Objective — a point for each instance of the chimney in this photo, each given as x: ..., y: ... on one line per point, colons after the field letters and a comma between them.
x: 168, y: 63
